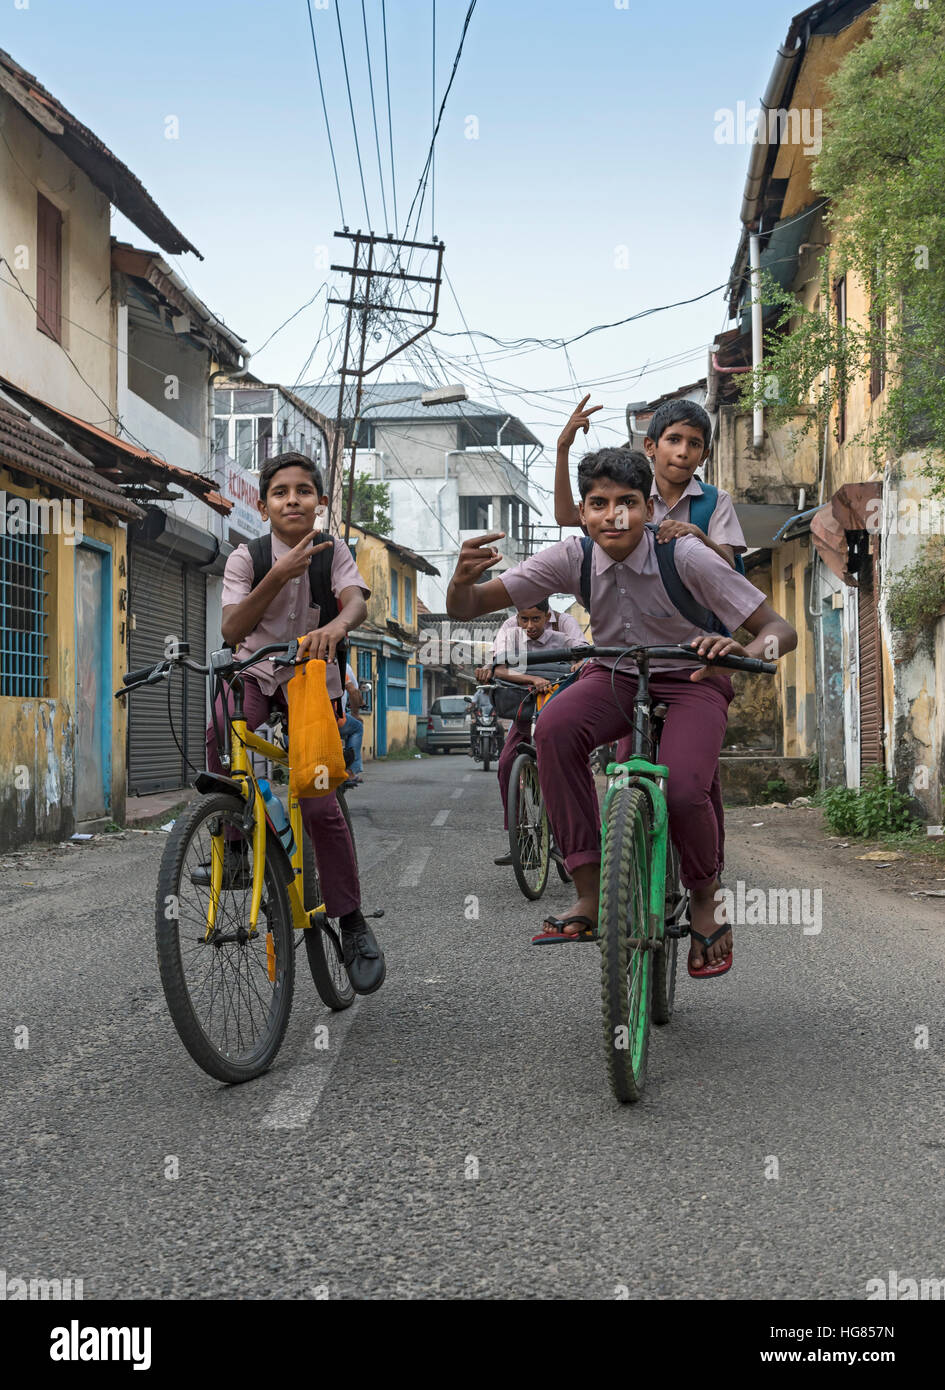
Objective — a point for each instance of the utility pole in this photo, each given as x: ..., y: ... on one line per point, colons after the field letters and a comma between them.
x: 372, y: 275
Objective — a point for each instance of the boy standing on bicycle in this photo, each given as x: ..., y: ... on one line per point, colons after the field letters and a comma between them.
x: 677, y: 443
x: 631, y: 607
x: 278, y: 609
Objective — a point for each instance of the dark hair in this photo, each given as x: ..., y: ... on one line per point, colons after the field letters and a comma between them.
x: 272, y: 466
x: 680, y: 413
x: 542, y: 606
x: 628, y: 467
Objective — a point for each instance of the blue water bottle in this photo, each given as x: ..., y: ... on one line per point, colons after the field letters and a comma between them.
x: 278, y: 816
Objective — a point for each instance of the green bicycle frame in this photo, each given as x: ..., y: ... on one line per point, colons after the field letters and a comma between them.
x: 639, y: 772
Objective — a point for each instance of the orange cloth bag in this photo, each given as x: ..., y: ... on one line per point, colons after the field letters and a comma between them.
x: 316, y: 755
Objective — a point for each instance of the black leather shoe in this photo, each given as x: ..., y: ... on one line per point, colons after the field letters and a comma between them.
x: 237, y: 872
x: 364, y: 959
x: 504, y: 860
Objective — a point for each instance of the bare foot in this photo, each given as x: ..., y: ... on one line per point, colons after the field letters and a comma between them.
x: 706, y: 915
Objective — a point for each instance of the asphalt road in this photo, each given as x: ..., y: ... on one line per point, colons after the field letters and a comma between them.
x: 457, y: 1138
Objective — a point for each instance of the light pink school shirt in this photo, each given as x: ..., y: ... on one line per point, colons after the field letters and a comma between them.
x: 291, y: 613
x: 724, y: 526
x: 629, y: 605
x: 561, y: 630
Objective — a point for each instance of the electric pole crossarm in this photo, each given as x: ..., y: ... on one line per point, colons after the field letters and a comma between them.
x: 388, y: 275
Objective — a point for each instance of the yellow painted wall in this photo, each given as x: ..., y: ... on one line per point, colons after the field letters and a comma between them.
x: 796, y: 671
x: 382, y: 569
x: 28, y: 357
x: 37, y: 735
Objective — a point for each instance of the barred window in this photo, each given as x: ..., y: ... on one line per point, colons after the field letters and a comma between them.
x: 23, y: 615
x: 396, y: 683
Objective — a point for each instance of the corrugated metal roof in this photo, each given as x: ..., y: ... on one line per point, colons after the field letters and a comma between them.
x: 407, y: 408
x: 31, y: 448
x: 107, y: 172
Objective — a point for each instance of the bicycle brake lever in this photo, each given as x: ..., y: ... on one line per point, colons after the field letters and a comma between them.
x: 290, y: 656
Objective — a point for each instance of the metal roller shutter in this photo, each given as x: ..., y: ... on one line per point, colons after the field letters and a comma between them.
x: 195, y: 691
x: 871, y: 673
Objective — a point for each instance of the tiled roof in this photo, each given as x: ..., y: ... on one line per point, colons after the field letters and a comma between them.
x: 29, y: 448
x: 86, y: 150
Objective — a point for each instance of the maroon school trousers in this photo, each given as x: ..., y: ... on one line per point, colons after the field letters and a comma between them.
x: 321, y: 815
x: 585, y: 715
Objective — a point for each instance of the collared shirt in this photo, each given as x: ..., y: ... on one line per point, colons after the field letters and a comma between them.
x: 629, y: 605
x: 561, y: 630
x: 724, y: 526
x: 291, y: 613
x: 350, y: 679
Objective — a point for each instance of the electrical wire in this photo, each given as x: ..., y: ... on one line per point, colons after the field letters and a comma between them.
x: 390, y: 124
x: 421, y: 186
x: 598, y: 328
x: 433, y: 128
x: 331, y: 147
x: 354, y: 124
x: 377, y: 142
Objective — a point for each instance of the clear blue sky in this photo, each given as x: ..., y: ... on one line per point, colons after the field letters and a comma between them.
x: 596, y: 131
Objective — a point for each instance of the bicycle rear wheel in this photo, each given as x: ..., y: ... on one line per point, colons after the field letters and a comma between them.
x: 626, y: 952
x: 229, y: 992
x: 664, y: 964
x: 324, y: 957
x: 529, y: 831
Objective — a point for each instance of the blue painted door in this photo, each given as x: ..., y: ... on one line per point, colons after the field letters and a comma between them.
x: 93, y: 670
x: 380, y: 709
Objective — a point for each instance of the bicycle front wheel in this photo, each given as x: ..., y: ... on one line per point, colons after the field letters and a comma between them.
x: 626, y: 950
x: 229, y: 988
x: 529, y: 831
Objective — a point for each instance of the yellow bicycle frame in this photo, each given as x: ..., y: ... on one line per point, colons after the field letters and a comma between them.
x: 241, y: 741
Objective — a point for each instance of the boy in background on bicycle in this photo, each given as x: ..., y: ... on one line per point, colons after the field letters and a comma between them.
x: 277, y: 609
x: 630, y: 607
x: 536, y: 626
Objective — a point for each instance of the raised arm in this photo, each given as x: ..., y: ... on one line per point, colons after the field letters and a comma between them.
x: 465, y: 598
x: 566, y: 511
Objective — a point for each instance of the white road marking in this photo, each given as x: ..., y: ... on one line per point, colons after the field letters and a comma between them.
x: 414, y: 867
x: 457, y: 792
x: 295, y: 1104
x: 440, y: 818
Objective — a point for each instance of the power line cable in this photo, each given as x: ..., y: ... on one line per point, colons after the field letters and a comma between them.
x: 390, y: 124
x: 354, y: 124
x: 421, y: 186
x: 331, y: 147
x: 433, y: 129
x: 377, y: 142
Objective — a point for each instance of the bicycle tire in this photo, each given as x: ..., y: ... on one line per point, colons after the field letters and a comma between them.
x: 664, y: 971
x: 529, y: 830
x: 328, y: 970
x: 626, y: 968
x: 486, y: 761
x: 219, y: 1062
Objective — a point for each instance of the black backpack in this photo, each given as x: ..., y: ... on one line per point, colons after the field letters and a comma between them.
x: 319, y: 581
x: 681, y: 597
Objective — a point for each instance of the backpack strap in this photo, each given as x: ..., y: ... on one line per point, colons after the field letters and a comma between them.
x: 700, y: 514
x: 681, y: 597
x: 587, y: 551
x: 701, y: 508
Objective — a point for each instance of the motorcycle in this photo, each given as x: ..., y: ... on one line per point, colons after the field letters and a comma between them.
x: 485, y: 738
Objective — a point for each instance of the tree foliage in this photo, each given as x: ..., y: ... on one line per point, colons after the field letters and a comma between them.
x: 882, y: 168
x: 370, y: 506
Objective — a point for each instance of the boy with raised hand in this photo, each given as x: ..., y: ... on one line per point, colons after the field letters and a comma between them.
x: 277, y: 609
x: 677, y: 442
x: 630, y: 606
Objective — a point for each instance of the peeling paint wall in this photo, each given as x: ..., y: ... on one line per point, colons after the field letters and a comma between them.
x: 37, y: 736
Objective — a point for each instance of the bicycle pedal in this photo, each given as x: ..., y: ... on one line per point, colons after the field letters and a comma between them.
x: 378, y: 912
x: 677, y: 932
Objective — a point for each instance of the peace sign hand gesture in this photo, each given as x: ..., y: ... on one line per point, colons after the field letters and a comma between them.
x: 580, y: 420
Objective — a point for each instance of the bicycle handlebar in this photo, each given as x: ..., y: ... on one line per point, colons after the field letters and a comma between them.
x: 676, y: 653
x: 150, y: 675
